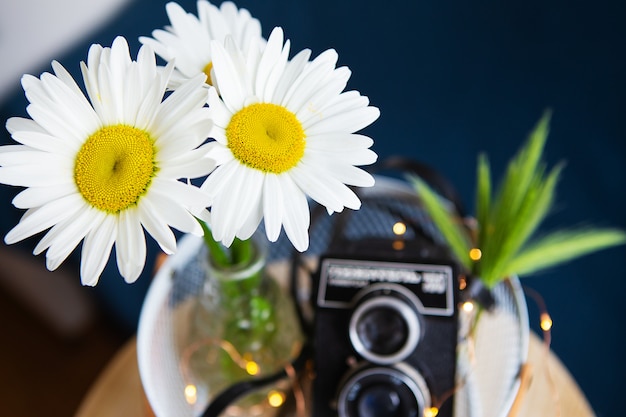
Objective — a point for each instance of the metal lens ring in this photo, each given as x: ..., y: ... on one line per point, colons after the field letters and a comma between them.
x: 396, y: 391
x: 384, y: 328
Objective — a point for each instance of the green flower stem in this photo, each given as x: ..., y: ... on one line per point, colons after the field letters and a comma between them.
x: 239, y: 253
x: 217, y: 252
x: 250, y: 319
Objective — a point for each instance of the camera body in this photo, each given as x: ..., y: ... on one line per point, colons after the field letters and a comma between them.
x: 385, y: 334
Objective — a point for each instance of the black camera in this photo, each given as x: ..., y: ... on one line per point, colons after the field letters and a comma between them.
x: 385, y: 332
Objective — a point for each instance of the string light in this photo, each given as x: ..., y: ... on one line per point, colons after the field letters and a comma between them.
x: 468, y: 306
x: 191, y: 394
x: 296, y: 389
x: 245, y: 362
x: 398, y: 244
x: 275, y: 398
x: 399, y: 228
x: 546, y: 321
x: 431, y: 412
x: 475, y: 254
x: 462, y: 283
x: 252, y: 368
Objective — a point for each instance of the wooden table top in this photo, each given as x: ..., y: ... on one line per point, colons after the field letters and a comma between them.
x: 551, y: 390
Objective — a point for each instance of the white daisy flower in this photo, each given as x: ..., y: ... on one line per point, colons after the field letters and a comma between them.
x: 98, y: 170
x: 188, y: 38
x: 285, y: 131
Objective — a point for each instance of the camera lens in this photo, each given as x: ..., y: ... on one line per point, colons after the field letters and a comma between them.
x: 382, y: 330
x: 385, y: 327
x: 379, y: 401
x: 396, y: 391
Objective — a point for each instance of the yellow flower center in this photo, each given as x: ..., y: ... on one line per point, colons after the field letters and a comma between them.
x: 267, y: 137
x: 114, y: 167
x: 207, y: 71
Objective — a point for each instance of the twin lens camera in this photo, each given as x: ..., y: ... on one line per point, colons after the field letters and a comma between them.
x: 385, y: 331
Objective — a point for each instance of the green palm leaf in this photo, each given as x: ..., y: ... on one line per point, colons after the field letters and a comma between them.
x: 508, y: 220
x: 483, y: 196
x: 448, y: 223
x: 560, y: 247
x: 514, y: 234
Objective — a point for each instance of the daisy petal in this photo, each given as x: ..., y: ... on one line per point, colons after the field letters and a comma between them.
x: 96, y: 250
x: 175, y: 215
x: 310, y: 76
x: 186, y: 98
x: 292, y: 70
x: 338, y: 142
x: 251, y: 224
x: 296, y: 214
x: 236, y: 204
x: 156, y: 226
x: 193, y: 164
x: 63, y: 238
x: 218, y: 180
x: 41, y: 218
x: 130, y: 246
x: 324, y: 188
x: 21, y: 155
x: 186, y: 195
x: 34, y: 175
x: 70, y: 104
x: 349, y: 121
x: 271, y: 64
x: 217, y: 110
x: 38, y: 196
x: 310, y: 105
x: 80, y: 224
x: 20, y: 124
x: 340, y: 168
x: 220, y: 154
x: 273, y: 206
x: 229, y: 77
x: 45, y: 142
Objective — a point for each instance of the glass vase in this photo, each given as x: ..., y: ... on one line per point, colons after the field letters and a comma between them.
x: 243, y: 326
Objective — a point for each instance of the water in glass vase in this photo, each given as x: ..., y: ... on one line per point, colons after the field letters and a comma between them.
x: 243, y: 326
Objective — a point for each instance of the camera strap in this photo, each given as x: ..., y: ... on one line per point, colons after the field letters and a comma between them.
x: 427, y: 173
x: 235, y: 391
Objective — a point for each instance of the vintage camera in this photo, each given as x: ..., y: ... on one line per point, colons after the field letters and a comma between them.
x: 385, y: 330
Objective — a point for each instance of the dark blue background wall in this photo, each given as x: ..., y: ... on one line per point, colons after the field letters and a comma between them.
x: 459, y: 77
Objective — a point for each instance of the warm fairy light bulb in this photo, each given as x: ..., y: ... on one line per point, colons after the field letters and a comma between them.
x: 546, y: 322
x: 398, y: 244
x: 462, y: 283
x: 431, y: 412
x: 475, y: 254
x: 468, y: 306
x: 191, y: 394
x: 275, y: 398
x: 252, y: 368
x: 399, y: 228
